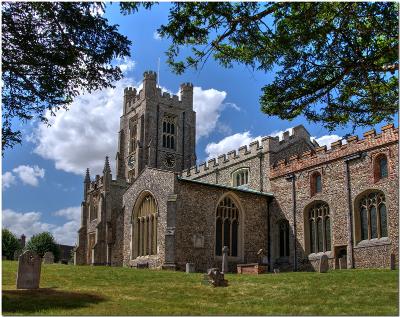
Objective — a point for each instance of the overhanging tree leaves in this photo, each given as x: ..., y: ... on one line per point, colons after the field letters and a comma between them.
x: 53, y: 51
x: 335, y: 62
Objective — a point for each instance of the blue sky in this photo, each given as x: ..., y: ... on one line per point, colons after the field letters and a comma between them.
x: 42, y: 178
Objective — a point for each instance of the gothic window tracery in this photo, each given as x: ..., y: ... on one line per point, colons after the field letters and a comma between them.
x: 240, y: 177
x: 132, y: 135
x: 371, y: 220
x: 93, y: 209
x: 227, y: 227
x: 169, y: 133
x: 145, y: 228
x: 319, y: 227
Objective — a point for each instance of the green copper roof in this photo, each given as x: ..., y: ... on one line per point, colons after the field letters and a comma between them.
x: 240, y: 189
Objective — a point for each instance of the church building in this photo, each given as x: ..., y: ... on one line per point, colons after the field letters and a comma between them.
x: 292, y: 198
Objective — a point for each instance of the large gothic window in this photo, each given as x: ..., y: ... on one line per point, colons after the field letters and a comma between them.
x: 227, y: 227
x: 240, y: 177
x: 283, y: 238
x: 144, y: 225
x: 93, y: 208
x: 319, y: 227
x: 169, y: 130
x: 371, y: 217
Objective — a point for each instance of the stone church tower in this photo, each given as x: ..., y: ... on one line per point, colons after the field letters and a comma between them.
x: 156, y: 130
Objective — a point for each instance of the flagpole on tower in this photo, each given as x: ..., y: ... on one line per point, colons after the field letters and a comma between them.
x: 158, y: 73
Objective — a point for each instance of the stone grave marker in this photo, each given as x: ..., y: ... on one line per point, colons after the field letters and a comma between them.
x: 190, y: 268
x: 323, y: 264
x: 28, y: 275
x: 48, y: 258
x: 215, y: 278
x: 225, y: 251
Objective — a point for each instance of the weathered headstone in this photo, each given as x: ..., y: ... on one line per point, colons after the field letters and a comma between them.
x: 225, y: 251
x: 17, y: 253
x: 276, y: 271
x: 215, y: 278
x: 392, y: 261
x: 190, y: 268
x: 323, y: 264
x: 28, y: 275
x: 48, y: 258
x: 262, y: 259
x: 343, y: 262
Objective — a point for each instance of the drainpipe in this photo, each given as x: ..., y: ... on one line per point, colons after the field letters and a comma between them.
x: 269, y: 233
x: 350, y: 239
x: 292, y: 177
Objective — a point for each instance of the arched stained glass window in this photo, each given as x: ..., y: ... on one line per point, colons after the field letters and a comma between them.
x: 240, y: 177
x: 319, y: 226
x: 145, y: 228
x: 372, y: 216
x: 227, y: 227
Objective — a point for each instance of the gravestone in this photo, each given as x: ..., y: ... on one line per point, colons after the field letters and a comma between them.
x: 28, y: 275
x: 276, y: 271
x: 17, y: 253
x: 48, y: 258
x: 392, y: 261
x: 323, y: 264
x: 190, y: 268
x: 215, y: 278
x: 225, y: 251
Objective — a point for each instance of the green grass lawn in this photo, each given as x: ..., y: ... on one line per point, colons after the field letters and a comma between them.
x: 86, y: 290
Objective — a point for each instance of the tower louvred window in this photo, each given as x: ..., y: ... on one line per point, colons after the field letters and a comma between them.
x: 168, y: 136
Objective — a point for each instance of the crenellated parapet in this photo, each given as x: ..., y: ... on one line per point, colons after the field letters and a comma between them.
x: 133, y: 98
x: 338, y: 149
x: 267, y: 144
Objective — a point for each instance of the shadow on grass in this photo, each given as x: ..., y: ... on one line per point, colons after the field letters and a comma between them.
x: 30, y: 301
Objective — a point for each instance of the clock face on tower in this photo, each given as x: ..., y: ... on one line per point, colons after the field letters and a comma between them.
x: 169, y: 160
x: 131, y: 162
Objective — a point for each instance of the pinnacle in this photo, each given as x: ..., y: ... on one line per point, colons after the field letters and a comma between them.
x: 107, y: 168
x: 87, y: 177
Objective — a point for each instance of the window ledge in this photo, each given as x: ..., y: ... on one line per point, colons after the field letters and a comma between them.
x: 373, y: 243
x: 317, y: 256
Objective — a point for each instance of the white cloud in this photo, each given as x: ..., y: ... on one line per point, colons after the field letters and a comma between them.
x: 156, y: 36
x: 208, y: 105
x: 280, y: 133
x: 30, y: 223
x: 29, y: 175
x: 125, y: 64
x: 327, y: 140
x: 8, y: 179
x: 232, y: 142
x: 82, y: 136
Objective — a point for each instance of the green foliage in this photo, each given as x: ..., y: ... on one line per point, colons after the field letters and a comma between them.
x: 10, y: 244
x: 105, y: 291
x: 44, y: 242
x: 334, y: 62
x: 52, y: 52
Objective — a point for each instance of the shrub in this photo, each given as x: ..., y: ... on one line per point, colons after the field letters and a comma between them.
x: 44, y: 242
x: 10, y: 244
